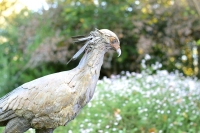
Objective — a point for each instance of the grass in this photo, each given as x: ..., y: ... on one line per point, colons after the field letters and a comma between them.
x: 141, y: 103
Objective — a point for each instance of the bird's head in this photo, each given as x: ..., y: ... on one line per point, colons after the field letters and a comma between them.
x: 114, y: 42
x: 103, y: 36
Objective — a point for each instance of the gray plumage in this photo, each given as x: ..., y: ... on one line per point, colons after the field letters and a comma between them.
x: 54, y: 100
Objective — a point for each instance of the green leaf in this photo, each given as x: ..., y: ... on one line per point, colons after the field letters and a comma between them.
x: 198, y: 42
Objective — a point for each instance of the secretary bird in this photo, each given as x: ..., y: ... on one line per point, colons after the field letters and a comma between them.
x: 54, y: 100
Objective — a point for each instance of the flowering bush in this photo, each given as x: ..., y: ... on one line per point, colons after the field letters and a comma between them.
x: 159, y: 103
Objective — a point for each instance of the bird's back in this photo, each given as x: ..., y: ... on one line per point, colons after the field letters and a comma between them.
x: 49, y: 101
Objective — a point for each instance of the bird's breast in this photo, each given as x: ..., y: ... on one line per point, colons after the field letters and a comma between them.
x: 70, y: 97
x: 82, y: 92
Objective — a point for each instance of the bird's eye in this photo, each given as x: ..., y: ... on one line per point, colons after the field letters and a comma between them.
x: 114, y: 41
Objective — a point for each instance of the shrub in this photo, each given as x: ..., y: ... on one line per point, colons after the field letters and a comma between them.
x: 135, y: 103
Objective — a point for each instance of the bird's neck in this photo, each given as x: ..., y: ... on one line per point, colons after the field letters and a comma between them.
x: 87, y: 72
x: 92, y: 59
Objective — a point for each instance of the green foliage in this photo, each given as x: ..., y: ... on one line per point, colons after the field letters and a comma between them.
x: 34, y: 40
x: 198, y: 42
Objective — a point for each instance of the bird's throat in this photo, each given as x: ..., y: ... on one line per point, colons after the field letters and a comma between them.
x: 92, y: 59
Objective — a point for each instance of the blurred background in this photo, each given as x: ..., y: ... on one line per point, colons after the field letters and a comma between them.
x: 154, y: 34
x: 35, y: 35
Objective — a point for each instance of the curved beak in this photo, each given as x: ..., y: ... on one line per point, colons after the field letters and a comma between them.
x: 116, y: 47
x: 119, y: 52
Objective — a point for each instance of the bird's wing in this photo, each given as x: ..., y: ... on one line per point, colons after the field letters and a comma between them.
x: 41, y: 96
